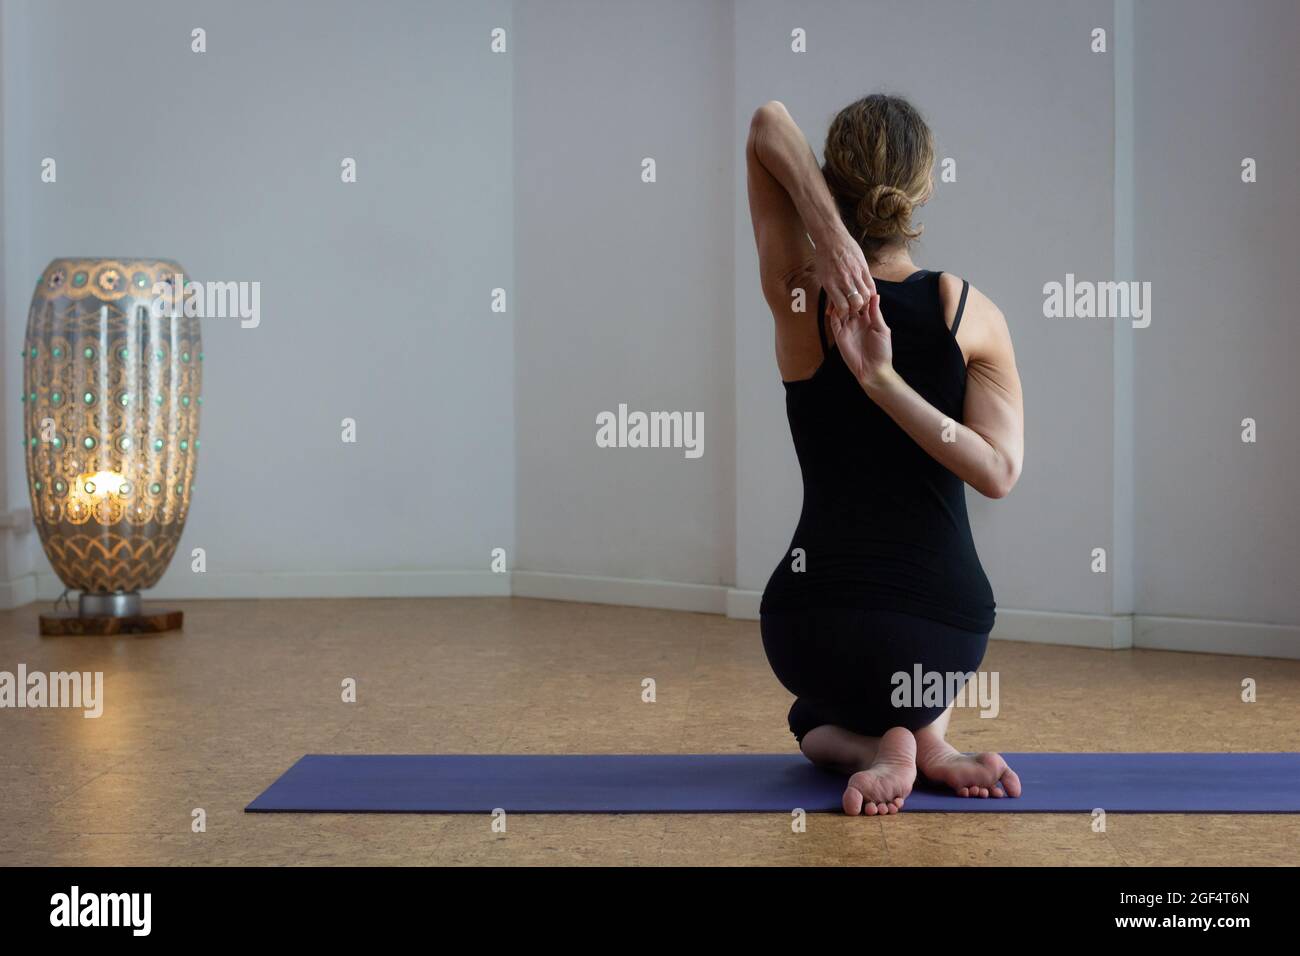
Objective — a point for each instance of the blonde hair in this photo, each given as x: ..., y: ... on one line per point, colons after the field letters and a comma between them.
x: 878, y: 159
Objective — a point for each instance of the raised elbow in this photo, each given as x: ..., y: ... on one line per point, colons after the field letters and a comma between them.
x: 1000, y: 481
x: 992, y: 489
x: 769, y: 111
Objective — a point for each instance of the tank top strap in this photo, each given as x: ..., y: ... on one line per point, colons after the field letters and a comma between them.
x: 961, y: 302
x: 961, y: 306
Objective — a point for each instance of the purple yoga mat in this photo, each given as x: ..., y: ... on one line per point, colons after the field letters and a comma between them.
x: 740, y: 783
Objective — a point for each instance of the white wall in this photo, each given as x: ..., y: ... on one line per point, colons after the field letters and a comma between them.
x: 523, y: 172
x: 624, y: 287
x: 1012, y: 93
x: 8, y: 540
x: 1218, y: 520
x: 375, y: 296
x: 17, y: 538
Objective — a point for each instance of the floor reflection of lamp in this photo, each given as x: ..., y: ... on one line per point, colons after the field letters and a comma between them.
x: 112, y: 372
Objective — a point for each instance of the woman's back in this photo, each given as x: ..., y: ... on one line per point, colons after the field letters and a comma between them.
x: 883, y: 526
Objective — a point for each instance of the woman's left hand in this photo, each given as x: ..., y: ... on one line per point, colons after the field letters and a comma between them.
x: 865, y: 344
x: 842, y: 270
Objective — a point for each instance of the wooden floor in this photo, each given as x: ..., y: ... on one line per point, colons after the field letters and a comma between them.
x: 208, y: 717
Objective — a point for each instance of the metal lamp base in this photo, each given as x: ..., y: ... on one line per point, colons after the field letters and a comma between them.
x: 119, y: 612
x: 114, y: 604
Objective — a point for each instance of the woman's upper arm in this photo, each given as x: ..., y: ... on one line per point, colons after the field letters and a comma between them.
x: 785, y: 253
x: 785, y: 260
x: 994, y: 405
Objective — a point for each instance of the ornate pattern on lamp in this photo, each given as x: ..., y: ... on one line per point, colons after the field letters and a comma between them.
x: 112, y: 378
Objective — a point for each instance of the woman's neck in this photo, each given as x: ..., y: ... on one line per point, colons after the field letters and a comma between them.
x: 891, y: 263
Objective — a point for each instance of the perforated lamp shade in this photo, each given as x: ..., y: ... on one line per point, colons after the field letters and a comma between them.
x: 112, y: 375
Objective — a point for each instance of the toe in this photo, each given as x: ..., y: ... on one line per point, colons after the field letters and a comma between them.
x: 1011, y: 782
x: 852, y: 801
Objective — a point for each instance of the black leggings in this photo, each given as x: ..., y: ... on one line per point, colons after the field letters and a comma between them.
x: 840, y: 664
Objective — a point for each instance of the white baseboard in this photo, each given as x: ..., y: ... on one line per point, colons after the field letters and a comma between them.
x: 591, y: 589
x: 743, y: 605
x: 17, y: 592
x: 1039, y: 627
x: 1109, y: 632
x: 1114, y: 631
x: 212, y: 585
x: 1216, y: 637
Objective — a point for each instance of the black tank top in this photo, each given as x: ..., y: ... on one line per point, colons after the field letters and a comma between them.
x: 883, y: 525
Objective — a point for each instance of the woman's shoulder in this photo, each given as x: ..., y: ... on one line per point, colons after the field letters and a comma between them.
x: 977, y: 306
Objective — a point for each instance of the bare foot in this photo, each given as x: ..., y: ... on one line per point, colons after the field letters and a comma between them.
x: 970, y: 775
x: 882, y: 787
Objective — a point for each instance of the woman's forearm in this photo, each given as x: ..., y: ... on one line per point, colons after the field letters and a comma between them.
x: 963, y: 451
x: 784, y: 152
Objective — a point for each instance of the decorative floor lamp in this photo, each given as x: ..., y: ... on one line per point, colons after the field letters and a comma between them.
x: 112, y: 371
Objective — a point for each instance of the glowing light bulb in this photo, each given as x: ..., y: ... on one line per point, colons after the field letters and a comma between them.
x: 104, y: 483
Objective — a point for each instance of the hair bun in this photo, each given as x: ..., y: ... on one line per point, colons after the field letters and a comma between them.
x: 884, y: 212
x: 879, y: 165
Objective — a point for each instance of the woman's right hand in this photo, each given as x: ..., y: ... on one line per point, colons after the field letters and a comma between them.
x: 842, y: 271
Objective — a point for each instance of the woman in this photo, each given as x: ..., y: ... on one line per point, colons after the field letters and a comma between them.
x: 901, y: 388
